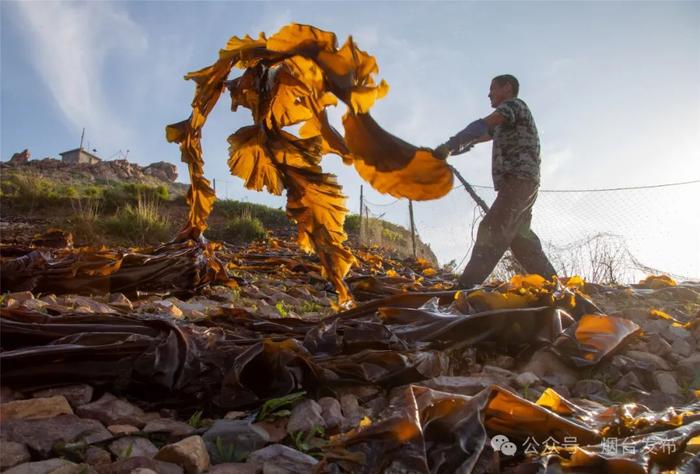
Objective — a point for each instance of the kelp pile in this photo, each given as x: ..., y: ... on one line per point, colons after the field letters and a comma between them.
x: 289, y: 79
x: 406, y: 344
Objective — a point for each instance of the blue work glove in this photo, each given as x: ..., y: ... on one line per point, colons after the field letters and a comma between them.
x: 464, y: 140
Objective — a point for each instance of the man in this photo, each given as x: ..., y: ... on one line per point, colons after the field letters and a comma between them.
x: 516, y: 177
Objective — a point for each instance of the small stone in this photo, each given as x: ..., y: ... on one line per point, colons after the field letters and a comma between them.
x: 526, y: 379
x: 590, y: 388
x: 462, y: 385
x: 306, y: 417
x: 503, y: 361
x: 656, y: 361
x: 682, y: 347
x: 42, y: 435
x: 280, y: 458
x: 111, y: 410
x: 655, y: 326
x: 143, y: 470
x: 122, y: 429
x: 331, y: 412
x: 35, y: 408
x: 12, y: 453
x: 244, y: 436
x: 119, y: 301
x: 127, y: 466
x: 130, y: 446
x: 276, y: 430
x: 78, y: 394
x: 667, y: 383
x: 673, y: 333
x: 235, y: 415
x: 629, y: 381
x: 658, y: 345
x: 19, y: 297
x: 546, y: 364
x: 171, y: 427
x: 95, y: 456
x: 234, y: 468
x: 40, y: 467
x: 190, y: 453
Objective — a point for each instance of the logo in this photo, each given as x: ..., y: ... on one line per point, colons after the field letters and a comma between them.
x: 501, y: 443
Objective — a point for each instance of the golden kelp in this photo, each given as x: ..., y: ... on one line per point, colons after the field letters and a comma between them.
x: 290, y: 79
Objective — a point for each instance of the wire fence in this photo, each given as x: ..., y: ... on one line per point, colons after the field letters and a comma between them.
x: 605, y: 235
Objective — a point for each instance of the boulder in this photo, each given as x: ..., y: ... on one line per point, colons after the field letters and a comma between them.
x: 331, y: 412
x: 96, y: 456
x: 190, y: 453
x: 111, y: 410
x: 41, y: 467
x: 130, y: 446
x: 546, y: 365
x: 243, y: 436
x: 78, y: 394
x: 280, y: 458
x: 41, y: 435
x: 162, y: 170
x: 20, y: 158
x: 35, y: 408
x: 126, y: 466
x: 12, y: 453
x: 652, y: 359
x: 667, y: 383
x: 172, y: 428
x: 306, y: 416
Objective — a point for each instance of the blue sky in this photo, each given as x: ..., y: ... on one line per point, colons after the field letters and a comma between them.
x: 613, y: 86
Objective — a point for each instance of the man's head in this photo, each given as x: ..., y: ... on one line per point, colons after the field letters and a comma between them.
x: 503, y: 87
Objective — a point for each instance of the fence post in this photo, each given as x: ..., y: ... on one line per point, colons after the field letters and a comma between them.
x: 214, y: 186
x: 413, y: 226
x: 361, y: 211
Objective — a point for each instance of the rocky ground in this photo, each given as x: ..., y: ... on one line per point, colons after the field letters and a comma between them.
x: 96, y: 427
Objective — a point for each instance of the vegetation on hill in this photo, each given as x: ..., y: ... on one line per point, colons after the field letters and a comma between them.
x: 137, y: 214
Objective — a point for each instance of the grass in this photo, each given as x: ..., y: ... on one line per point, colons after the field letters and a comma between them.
x: 140, y: 223
x: 268, y: 216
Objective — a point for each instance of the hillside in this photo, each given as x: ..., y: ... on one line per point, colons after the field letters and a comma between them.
x: 121, y: 203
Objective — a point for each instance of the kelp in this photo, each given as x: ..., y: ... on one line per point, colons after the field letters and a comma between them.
x: 400, y: 343
x: 290, y: 79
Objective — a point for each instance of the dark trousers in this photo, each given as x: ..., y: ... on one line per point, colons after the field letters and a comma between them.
x: 507, y: 224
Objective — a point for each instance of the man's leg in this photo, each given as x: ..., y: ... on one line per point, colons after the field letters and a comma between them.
x: 527, y: 249
x: 498, y: 228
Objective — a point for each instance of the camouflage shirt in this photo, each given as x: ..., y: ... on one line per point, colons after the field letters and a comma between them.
x: 516, y: 145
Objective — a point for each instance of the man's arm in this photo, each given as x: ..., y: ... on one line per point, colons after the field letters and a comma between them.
x: 475, y: 132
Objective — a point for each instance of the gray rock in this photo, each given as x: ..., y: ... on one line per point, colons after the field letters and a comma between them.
x: 682, y: 347
x: 40, y: 467
x: 242, y: 435
x: 111, y: 410
x: 654, y: 360
x: 590, y: 388
x: 280, y: 458
x: 35, y: 408
x: 673, y: 333
x: 657, y: 400
x: 122, y: 429
x: 658, y: 345
x: 41, y: 435
x: 133, y: 446
x: 470, y: 385
x: 172, y: 428
x: 547, y: 365
x: 126, y: 466
x: 667, y: 383
x: 331, y: 412
x: 655, y: 326
x: 143, y: 470
x: 629, y: 381
x: 95, y: 456
x: 190, y: 453
x: 526, y: 379
x: 77, y: 395
x: 234, y: 468
x: 12, y: 453
x: 306, y: 417
x: 352, y: 411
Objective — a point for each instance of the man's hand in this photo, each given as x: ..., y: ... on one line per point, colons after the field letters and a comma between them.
x: 442, y: 152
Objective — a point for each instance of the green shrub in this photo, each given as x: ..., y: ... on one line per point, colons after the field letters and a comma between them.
x: 84, y: 223
x: 33, y: 191
x: 352, y: 224
x: 268, y: 216
x: 244, y: 229
x: 70, y: 192
x: 140, y: 223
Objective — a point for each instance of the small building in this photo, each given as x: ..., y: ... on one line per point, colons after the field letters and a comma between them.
x: 79, y: 155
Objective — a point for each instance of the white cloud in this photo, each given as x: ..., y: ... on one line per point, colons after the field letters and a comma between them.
x: 70, y: 44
